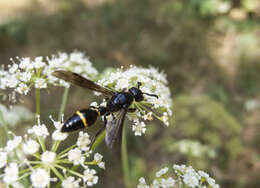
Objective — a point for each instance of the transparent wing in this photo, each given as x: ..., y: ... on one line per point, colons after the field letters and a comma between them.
x: 114, y: 129
x: 81, y: 81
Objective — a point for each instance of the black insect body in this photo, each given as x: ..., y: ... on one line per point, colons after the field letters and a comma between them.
x: 116, y: 102
x: 82, y: 119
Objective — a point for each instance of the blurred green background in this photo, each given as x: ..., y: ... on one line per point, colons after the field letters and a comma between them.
x: 210, y: 50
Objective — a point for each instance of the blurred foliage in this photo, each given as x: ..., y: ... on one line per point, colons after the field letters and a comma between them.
x: 203, y: 119
x: 208, y: 48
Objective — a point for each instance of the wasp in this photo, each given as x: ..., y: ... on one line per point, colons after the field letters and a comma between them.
x: 117, y: 102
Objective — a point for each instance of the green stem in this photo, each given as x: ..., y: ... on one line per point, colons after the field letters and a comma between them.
x: 99, y: 139
x: 56, y: 172
x: 62, y: 108
x: 124, y: 155
x: 63, y: 102
x: 38, y: 101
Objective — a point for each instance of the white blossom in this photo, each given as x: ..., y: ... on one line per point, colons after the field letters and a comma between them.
x: 3, y: 159
x: 139, y: 128
x: 83, y: 141
x: 40, y: 83
x: 90, y: 178
x: 12, y: 144
x: 22, y: 89
x: 46, y: 166
x: 142, y: 183
x: 70, y: 182
x: 59, y: 136
x: 191, y: 179
x: 40, y: 178
x: 187, y: 177
x: 30, y: 147
x: 98, y: 159
x: 48, y: 157
x: 161, y: 172
x: 75, y: 156
x: 37, y: 73
x: 152, y: 82
x: 39, y: 130
x: 11, y: 173
x: 167, y: 183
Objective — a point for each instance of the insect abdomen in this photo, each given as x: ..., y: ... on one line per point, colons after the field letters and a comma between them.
x: 81, y: 119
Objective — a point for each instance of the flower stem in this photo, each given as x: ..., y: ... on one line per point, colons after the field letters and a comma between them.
x: 38, y: 101
x: 62, y: 108
x: 63, y: 102
x: 56, y: 172
x: 99, y: 139
x: 124, y: 156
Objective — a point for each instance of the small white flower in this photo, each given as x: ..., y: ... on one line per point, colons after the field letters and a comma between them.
x: 122, y: 83
x: 75, y: 156
x: 142, y: 183
x: 11, y: 81
x: 203, y: 174
x: 89, y: 177
x: 83, y: 141
x: 30, y: 147
x: 98, y: 158
x: 11, y: 173
x: 155, y: 184
x: 40, y: 178
x: 39, y: 130
x: 25, y: 76
x: 40, y: 83
x: 161, y: 172
x: 25, y: 63
x: 211, y: 181
x: 48, y: 157
x: 70, y: 182
x: 180, y: 168
x: 3, y: 159
x: 165, y: 118
x: 148, y: 116
x: 22, y: 89
x: 59, y: 136
x: 191, y: 179
x: 12, y: 144
x: 167, y: 183
x: 38, y: 63
x: 139, y: 128
x: 12, y: 69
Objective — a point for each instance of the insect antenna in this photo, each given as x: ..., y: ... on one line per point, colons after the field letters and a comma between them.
x: 152, y: 95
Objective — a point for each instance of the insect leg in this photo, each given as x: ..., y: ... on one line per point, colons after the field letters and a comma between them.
x: 131, y: 109
x: 100, y: 130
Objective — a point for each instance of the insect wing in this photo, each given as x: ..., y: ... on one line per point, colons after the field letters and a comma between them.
x: 81, y: 81
x: 114, y: 129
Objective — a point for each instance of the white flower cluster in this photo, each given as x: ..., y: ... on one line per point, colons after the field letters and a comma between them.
x: 153, y: 82
x: 186, y: 177
x: 194, y: 148
x: 36, y: 73
x: 28, y: 158
x: 14, y: 115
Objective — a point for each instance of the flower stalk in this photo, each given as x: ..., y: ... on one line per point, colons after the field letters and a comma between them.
x: 125, y: 162
x: 38, y: 101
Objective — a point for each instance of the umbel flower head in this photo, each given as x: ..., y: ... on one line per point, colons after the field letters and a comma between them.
x: 186, y: 177
x: 27, y: 159
x: 152, y: 81
x: 36, y: 73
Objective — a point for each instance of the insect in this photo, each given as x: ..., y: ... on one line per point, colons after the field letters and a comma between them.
x: 117, y: 102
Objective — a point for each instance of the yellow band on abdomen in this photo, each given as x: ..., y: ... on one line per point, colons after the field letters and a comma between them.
x: 82, y: 118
